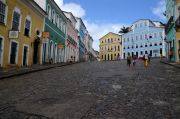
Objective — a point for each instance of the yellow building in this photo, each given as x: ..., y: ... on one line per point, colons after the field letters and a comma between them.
x: 110, y: 47
x: 21, y: 25
x: 177, y: 47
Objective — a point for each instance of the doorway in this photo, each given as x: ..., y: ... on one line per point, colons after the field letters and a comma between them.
x: 36, y: 51
x: 25, y: 56
x: 13, y: 53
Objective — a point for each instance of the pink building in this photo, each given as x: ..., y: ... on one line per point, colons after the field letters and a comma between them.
x: 72, y: 47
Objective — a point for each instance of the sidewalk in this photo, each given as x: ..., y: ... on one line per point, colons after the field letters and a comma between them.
x: 26, y: 70
x: 175, y: 64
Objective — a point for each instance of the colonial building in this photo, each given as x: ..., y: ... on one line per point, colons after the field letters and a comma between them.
x: 72, y: 49
x: 21, y: 25
x: 145, y: 35
x: 90, y: 51
x: 54, y: 34
x: 81, y: 37
x: 110, y: 47
x: 173, y: 29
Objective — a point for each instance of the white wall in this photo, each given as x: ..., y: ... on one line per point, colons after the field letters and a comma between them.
x: 41, y: 3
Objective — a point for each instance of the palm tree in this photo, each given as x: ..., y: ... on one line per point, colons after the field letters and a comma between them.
x: 124, y: 30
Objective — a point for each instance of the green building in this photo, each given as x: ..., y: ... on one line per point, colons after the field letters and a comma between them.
x: 54, y: 34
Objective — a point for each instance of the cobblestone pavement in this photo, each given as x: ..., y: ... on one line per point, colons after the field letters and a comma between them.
x: 94, y: 90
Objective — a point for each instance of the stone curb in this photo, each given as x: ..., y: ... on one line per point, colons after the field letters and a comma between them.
x: 34, y: 70
x: 164, y: 62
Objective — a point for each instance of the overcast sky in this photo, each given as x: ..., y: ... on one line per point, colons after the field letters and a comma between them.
x: 103, y: 16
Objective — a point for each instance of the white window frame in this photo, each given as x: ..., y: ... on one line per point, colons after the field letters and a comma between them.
x: 28, y: 18
x: 27, y: 60
x: 6, y: 11
x: 20, y: 19
x: 49, y: 12
x: 2, y: 53
x: 17, y: 53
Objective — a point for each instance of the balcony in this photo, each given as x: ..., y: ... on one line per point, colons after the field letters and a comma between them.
x: 169, y: 24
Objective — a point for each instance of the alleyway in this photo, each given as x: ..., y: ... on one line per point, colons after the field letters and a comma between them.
x: 94, y: 90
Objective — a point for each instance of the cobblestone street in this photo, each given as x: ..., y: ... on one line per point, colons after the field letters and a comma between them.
x: 94, y: 90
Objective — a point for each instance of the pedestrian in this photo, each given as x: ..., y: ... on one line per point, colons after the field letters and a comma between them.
x: 149, y: 59
x: 134, y: 60
x: 146, y: 59
x: 129, y: 60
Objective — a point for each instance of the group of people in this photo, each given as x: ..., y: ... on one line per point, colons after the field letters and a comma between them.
x: 146, y: 59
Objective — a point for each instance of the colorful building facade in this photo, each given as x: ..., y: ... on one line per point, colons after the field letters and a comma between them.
x: 145, y: 36
x: 81, y: 37
x: 56, y: 27
x: 110, y: 47
x: 72, y: 51
x: 20, y: 33
x: 173, y: 29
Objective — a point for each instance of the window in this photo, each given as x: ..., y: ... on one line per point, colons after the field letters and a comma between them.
x: 102, y: 41
x: 155, y: 44
x: 160, y: 43
x: 141, y: 52
x: 124, y: 47
x: 127, y: 39
x: 2, y: 12
x: 136, y: 46
x: 16, y: 21
x: 150, y: 45
x: 118, y: 48
x: 111, y: 40
x: 136, y: 37
x: 49, y: 11
x: 57, y: 20
x: 128, y: 47
x: 132, y: 39
x: 132, y: 46
x: 160, y: 34
x: 145, y: 45
x: 141, y: 46
x: 141, y: 37
x: 146, y: 36
x: 124, y: 39
x: 150, y: 36
x: 27, y: 27
x: 155, y: 35
x: 53, y: 17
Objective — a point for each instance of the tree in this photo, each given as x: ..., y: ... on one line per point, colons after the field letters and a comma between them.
x: 124, y: 30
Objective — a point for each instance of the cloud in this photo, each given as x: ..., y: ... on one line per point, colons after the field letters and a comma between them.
x: 76, y: 9
x: 98, y: 30
x: 160, y: 9
x: 95, y: 29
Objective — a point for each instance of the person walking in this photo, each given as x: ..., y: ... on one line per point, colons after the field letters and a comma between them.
x: 129, y: 60
x: 134, y: 60
x: 146, y: 58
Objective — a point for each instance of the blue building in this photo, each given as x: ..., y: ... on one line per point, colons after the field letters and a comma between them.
x: 82, y: 35
x: 145, y: 35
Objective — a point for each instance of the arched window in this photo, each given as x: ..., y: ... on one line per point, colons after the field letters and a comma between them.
x: 49, y: 11
x: 3, y: 11
x: 53, y: 16
x: 160, y: 43
x: 57, y: 20
x: 155, y: 44
x: 27, y: 26
x: 16, y: 19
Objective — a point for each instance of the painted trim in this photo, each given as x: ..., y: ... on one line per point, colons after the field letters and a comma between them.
x: 28, y: 18
x: 17, y: 52
x: 18, y: 11
x: 27, y: 60
x: 2, y: 53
